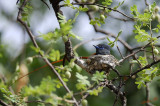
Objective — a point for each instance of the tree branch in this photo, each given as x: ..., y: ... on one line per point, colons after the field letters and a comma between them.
x: 36, y: 45
x: 3, y: 103
x: 109, y: 34
x: 145, y: 67
x: 103, y: 7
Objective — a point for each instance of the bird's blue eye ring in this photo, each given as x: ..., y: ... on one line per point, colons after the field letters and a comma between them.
x: 101, y: 47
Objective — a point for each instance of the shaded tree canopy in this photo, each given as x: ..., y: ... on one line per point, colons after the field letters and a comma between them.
x: 47, y: 55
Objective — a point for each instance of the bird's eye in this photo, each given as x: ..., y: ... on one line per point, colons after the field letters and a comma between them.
x: 101, y: 47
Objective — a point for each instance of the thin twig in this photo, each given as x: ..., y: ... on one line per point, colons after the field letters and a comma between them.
x: 87, y: 41
x: 119, y: 87
x: 116, y: 91
x: 147, y: 95
x: 37, y: 101
x: 125, y: 44
x: 157, y: 45
x: 133, y: 53
x: 146, y: 2
x: 121, y: 19
x: 116, y: 71
x: 45, y: 4
x: 3, y: 103
x: 150, y: 28
x: 145, y: 67
x: 119, y: 51
x: 103, y: 7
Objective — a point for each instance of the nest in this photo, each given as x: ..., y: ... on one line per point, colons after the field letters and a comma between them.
x: 99, y: 63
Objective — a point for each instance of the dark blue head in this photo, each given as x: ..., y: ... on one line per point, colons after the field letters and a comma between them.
x: 102, y: 49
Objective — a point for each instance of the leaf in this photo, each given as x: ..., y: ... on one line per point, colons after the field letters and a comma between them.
x: 84, y: 9
x: 134, y: 10
x: 47, y: 86
x: 83, y: 83
x: 98, y: 76
x: 54, y: 55
x: 107, y: 2
x: 142, y: 60
x: 156, y: 30
x: 133, y: 61
x: 142, y: 34
x: 158, y: 26
x: 145, y: 18
x: 120, y: 3
x: 95, y: 91
x: 119, y: 33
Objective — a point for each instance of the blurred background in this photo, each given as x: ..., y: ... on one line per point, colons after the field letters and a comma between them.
x: 16, y: 44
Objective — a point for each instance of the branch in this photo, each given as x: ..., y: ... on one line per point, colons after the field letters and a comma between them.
x: 45, y: 4
x: 38, y: 101
x: 146, y: 3
x: 36, y: 45
x: 126, y: 45
x: 87, y: 41
x: 103, y: 7
x: 145, y: 67
x: 147, y: 95
x: 3, y: 103
x: 121, y: 19
x: 116, y: 91
x: 119, y: 87
x: 133, y: 53
x: 138, y: 47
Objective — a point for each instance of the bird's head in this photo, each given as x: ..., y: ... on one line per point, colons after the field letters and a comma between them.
x: 102, y: 49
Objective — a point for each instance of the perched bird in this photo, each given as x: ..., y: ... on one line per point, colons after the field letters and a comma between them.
x: 102, y: 60
x: 102, y: 49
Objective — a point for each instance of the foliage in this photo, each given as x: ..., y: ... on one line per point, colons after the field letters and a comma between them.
x: 27, y: 10
x: 83, y: 83
x: 146, y: 75
x: 95, y: 91
x: 98, y: 76
x: 17, y: 99
x: 107, y: 2
x: 143, y: 66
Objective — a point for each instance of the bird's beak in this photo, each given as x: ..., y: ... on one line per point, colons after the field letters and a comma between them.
x: 96, y: 46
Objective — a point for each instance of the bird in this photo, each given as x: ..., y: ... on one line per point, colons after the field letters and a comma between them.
x: 101, y: 49
x: 102, y: 60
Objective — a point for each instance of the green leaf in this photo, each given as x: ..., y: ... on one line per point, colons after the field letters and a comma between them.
x: 37, y: 50
x: 98, y: 76
x: 134, y: 10
x: 119, y: 33
x: 84, y: 9
x: 156, y: 30
x: 54, y: 55
x: 143, y: 61
x: 142, y: 34
x: 47, y: 86
x: 27, y: 10
x: 67, y: 1
x: 133, y: 61
x: 83, y: 83
x: 107, y: 2
x: 120, y: 3
x: 145, y: 18
x: 139, y: 84
x: 158, y: 26
x: 95, y: 91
